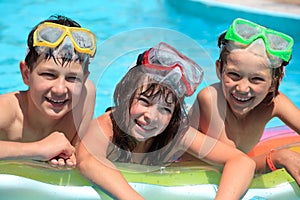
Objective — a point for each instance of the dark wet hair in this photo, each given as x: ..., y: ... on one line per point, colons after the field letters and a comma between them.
x: 135, y: 83
x: 277, y: 73
x: 33, y: 56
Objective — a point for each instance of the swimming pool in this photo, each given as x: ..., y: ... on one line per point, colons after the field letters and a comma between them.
x: 191, y: 20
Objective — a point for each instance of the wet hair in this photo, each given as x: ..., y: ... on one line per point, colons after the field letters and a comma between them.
x: 136, y: 83
x: 277, y: 73
x: 33, y: 56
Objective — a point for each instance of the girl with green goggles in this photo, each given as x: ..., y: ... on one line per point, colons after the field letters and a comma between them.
x: 276, y: 43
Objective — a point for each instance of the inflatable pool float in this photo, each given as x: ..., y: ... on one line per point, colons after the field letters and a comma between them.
x: 182, y: 180
x: 34, y: 180
x: 277, y: 137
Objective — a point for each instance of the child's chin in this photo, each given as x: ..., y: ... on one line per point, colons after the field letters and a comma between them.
x: 55, y: 114
x: 240, y: 112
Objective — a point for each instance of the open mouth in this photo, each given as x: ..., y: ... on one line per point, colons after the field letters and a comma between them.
x: 242, y: 99
x: 144, y: 127
x: 57, y: 102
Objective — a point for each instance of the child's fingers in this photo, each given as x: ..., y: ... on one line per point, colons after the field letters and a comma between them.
x: 70, y: 163
x: 61, y: 162
x: 57, y: 162
x: 53, y: 162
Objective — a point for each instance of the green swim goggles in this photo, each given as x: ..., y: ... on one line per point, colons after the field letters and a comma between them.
x: 245, y: 32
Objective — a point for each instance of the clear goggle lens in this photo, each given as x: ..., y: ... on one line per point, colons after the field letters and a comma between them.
x: 166, y: 58
x: 245, y: 32
x: 51, y: 35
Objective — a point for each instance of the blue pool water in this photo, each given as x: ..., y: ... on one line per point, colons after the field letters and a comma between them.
x: 194, y: 22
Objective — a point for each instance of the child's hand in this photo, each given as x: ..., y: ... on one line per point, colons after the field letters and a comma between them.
x: 58, y: 161
x: 58, y: 149
x: 288, y: 159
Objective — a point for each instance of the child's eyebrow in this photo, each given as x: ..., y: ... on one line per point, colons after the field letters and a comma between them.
x: 231, y: 68
x: 75, y: 73
x: 48, y: 69
x: 259, y: 73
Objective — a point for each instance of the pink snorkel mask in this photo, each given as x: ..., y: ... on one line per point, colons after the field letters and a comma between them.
x: 172, y: 68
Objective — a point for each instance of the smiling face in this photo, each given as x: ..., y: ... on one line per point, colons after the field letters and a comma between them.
x: 150, y: 114
x: 54, y: 89
x: 246, y: 80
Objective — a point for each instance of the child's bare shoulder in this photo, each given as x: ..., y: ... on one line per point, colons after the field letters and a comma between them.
x: 105, y: 124
x: 90, y: 87
x: 87, y: 100
x: 209, y: 92
x: 283, y: 104
x: 10, y: 106
x: 10, y: 100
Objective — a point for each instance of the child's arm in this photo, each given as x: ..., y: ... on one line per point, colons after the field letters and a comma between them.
x: 238, y: 168
x: 86, y: 111
x: 83, y: 115
x: 286, y: 111
x: 94, y: 165
x: 40, y: 150
x: 54, y: 145
x: 288, y: 159
x: 280, y: 158
x: 208, y: 112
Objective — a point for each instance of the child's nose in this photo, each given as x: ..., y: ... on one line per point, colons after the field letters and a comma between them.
x: 243, y: 86
x: 151, y: 115
x: 59, y: 86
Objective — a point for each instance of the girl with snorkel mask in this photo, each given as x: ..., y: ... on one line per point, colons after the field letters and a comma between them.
x: 148, y: 125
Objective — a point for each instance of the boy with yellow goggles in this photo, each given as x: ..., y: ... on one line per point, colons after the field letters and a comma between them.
x: 56, y: 95
x: 51, y: 35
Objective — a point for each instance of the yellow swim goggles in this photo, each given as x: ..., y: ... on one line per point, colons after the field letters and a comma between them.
x: 51, y: 35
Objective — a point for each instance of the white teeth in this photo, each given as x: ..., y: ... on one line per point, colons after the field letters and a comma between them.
x: 56, y: 100
x: 147, y: 128
x: 242, y: 99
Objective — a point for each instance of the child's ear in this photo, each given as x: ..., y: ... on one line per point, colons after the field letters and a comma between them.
x: 218, y: 67
x: 25, y: 72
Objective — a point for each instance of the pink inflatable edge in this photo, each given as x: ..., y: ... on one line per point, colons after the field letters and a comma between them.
x: 275, y: 132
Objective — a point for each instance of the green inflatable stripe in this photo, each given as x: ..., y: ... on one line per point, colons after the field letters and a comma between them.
x: 177, y: 174
x: 43, y: 172
x: 194, y: 174
x: 273, y: 179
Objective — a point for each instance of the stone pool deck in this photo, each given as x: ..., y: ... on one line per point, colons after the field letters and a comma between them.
x: 291, y: 7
